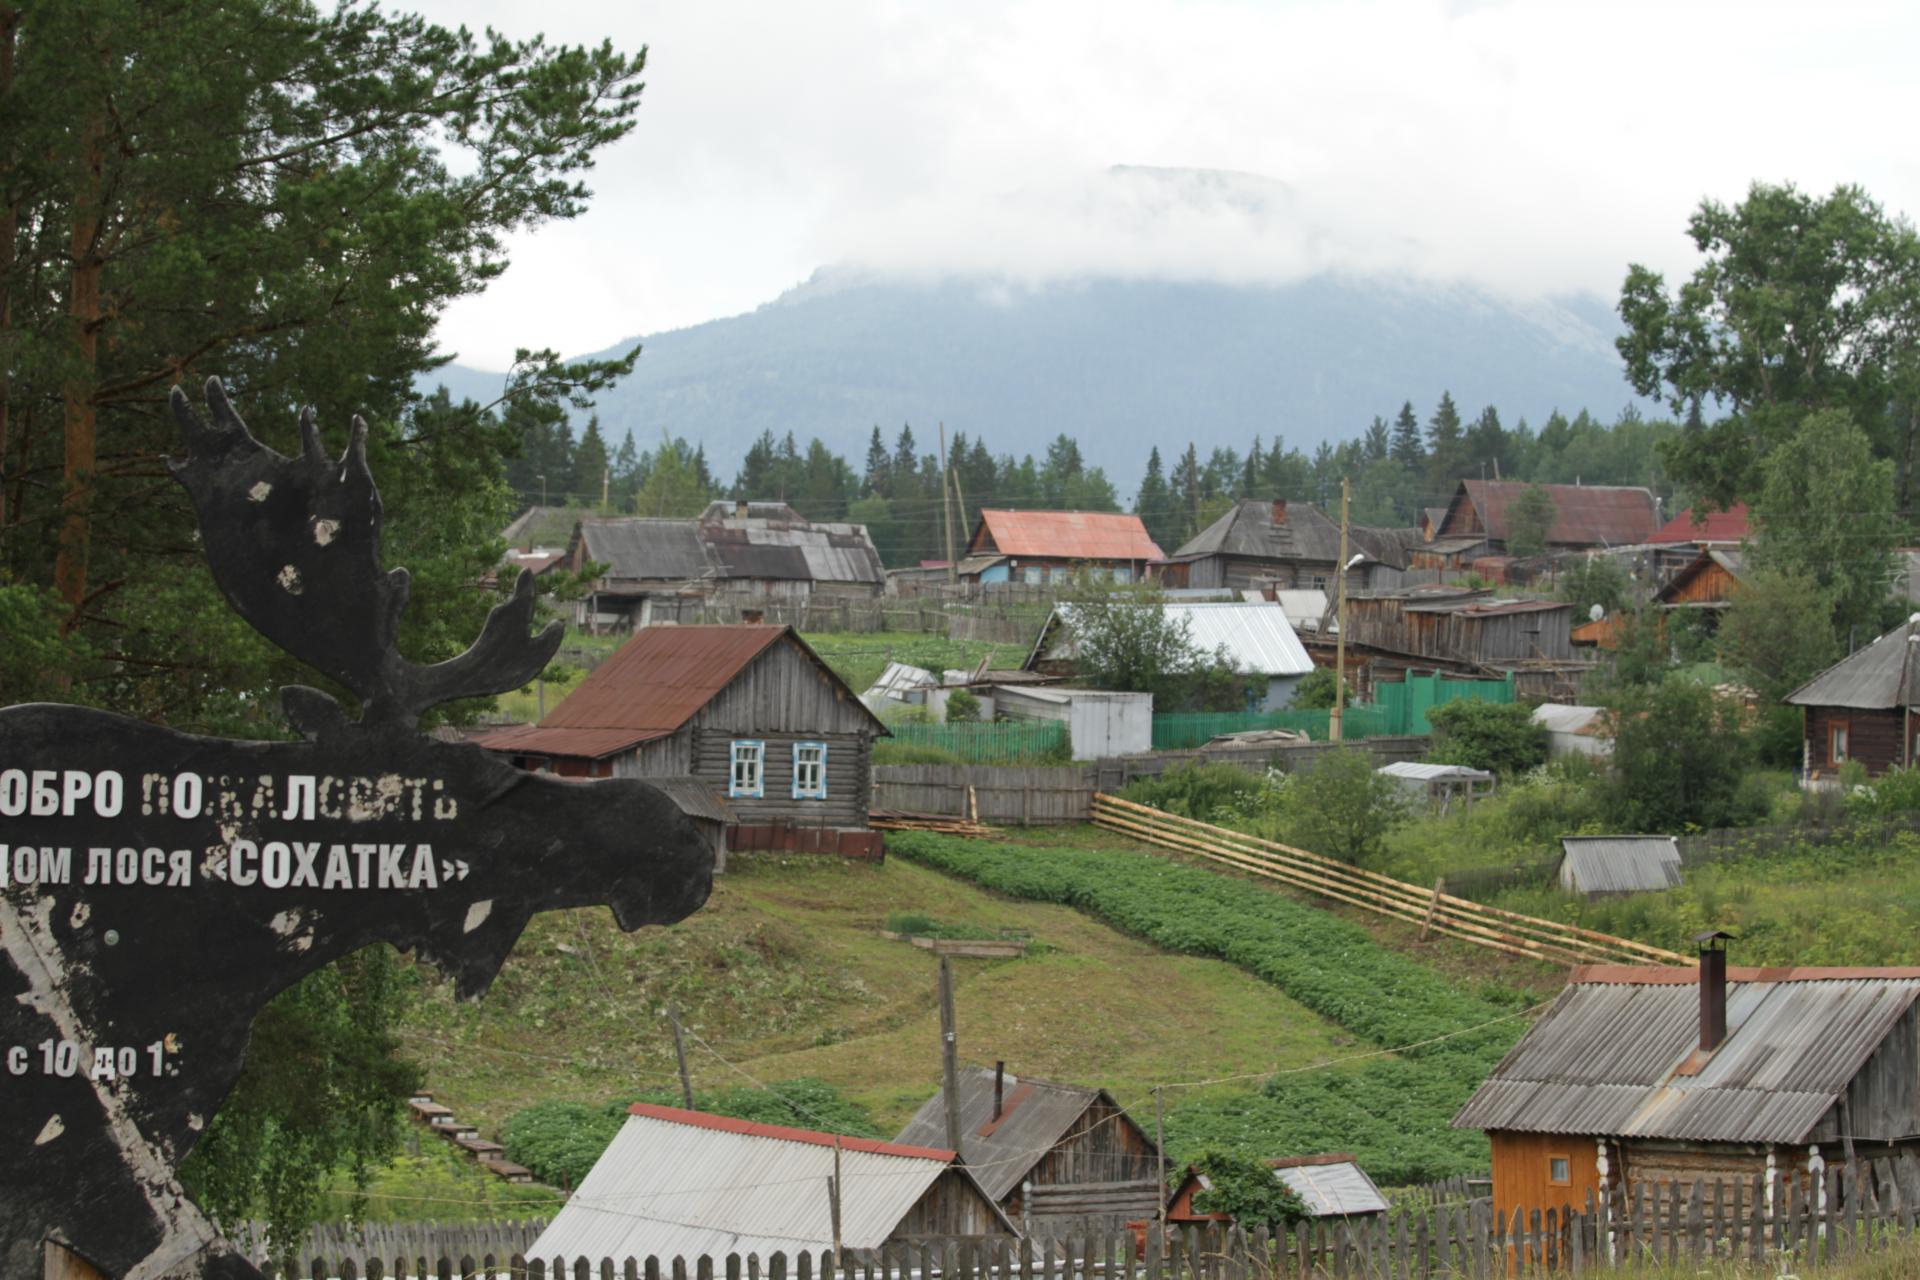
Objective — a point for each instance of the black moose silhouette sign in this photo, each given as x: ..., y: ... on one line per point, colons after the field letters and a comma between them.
x: 157, y: 889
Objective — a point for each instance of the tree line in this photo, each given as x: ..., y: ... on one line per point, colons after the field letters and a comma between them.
x: 1396, y: 470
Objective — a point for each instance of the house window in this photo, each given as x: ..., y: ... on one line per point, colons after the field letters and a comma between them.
x: 809, y: 771
x: 1560, y: 1171
x: 1837, y: 742
x: 747, y: 776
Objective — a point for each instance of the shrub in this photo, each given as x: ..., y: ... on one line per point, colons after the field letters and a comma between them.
x: 1244, y: 1188
x: 1896, y: 791
x: 1204, y: 791
x: 1499, y: 736
x: 1315, y: 690
x: 1342, y: 807
x: 962, y: 707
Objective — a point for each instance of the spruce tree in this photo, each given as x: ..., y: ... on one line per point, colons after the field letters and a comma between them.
x: 1444, y: 438
x: 879, y: 473
x: 1406, y: 448
x: 1153, y: 503
x: 1377, y: 441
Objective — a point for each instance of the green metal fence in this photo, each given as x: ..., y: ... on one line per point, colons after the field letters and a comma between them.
x: 1010, y: 742
x: 1399, y: 709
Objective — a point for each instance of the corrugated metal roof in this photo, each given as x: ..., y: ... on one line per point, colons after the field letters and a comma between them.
x: 1331, y: 1186
x: 1305, y: 608
x: 1584, y: 515
x: 1564, y: 717
x: 1064, y: 535
x: 1881, y: 675
x: 1621, y: 864
x: 1605, y: 1058
x: 1257, y: 637
x: 771, y: 542
x: 1256, y: 529
x: 1691, y: 525
x: 1421, y: 771
x: 1035, y: 1116
x: 686, y: 1184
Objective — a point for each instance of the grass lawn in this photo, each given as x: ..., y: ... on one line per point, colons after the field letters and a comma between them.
x: 859, y: 657
x: 784, y: 972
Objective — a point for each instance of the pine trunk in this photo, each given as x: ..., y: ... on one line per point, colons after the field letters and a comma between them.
x: 9, y: 234
x: 79, y: 416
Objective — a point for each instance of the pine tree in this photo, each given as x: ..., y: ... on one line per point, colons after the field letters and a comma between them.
x: 1406, y: 448
x: 1377, y: 440
x: 1443, y: 437
x: 879, y: 474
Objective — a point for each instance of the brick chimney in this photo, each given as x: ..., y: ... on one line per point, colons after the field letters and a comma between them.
x: 1713, y: 988
x: 1279, y: 511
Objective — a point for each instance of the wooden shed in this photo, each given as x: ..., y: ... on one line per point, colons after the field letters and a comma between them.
x: 1061, y: 1159
x: 1331, y: 1186
x: 1706, y: 582
x: 1862, y: 708
x: 751, y: 711
x: 1644, y: 1075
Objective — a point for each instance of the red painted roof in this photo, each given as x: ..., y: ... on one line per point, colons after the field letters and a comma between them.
x: 1064, y: 535
x: 727, y: 1124
x: 1715, y: 526
x: 1584, y: 515
x: 533, y: 739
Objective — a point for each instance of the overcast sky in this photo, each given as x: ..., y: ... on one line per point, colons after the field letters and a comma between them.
x: 1530, y: 147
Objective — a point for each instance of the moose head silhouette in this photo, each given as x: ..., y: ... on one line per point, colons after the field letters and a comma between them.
x: 157, y: 888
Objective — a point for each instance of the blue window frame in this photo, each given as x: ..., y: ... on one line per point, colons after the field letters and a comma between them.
x: 809, y: 771
x: 747, y: 774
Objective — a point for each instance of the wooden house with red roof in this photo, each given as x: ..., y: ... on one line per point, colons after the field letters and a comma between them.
x: 1703, y: 529
x: 747, y: 714
x: 1586, y: 517
x: 1042, y: 546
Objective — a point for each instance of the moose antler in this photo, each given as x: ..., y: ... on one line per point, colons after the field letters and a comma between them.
x: 294, y: 544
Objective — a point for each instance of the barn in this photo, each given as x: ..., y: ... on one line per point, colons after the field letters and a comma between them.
x: 751, y: 711
x: 1861, y: 708
x: 1059, y: 1158
x: 689, y: 1184
x: 1644, y: 1075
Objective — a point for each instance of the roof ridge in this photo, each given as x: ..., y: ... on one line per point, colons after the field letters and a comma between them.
x: 785, y: 1133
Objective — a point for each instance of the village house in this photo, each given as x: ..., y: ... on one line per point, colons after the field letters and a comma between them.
x: 1254, y: 636
x: 1642, y: 1075
x: 1058, y: 1158
x: 734, y: 555
x: 1050, y: 546
x: 750, y: 711
x: 688, y: 1184
x: 1330, y: 1186
x: 1585, y: 517
x: 1278, y: 544
x: 1705, y: 584
x: 1461, y: 631
x: 1861, y: 708
x: 1703, y: 529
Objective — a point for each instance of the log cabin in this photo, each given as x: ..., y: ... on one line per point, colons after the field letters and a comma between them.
x: 1644, y: 1075
x: 751, y: 711
x: 1861, y: 709
x: 1061, y: 1159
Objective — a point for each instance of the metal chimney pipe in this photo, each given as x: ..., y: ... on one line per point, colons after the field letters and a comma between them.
x: 1713, y: 989
x: 999, y: 1085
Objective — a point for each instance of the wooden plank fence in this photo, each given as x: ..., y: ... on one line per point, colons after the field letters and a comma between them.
x: 1040, y: 795
x: 1794, y: 1226
x: 1433, y: 909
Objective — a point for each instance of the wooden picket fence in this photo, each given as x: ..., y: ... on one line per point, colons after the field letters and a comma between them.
x: 1797, y: 1225
x: 1433, y: 909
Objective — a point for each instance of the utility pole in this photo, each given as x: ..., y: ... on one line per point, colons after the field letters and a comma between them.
x: 606, y: 482
x: 949, y: 1050
x: 1340, y: 639
x: 833, y: 1202
x: 680, y: 1052
x: 1160, y: 1149
x: 946, y: 506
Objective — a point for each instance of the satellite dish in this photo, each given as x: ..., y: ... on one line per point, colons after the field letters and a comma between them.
x: 1596, y: 613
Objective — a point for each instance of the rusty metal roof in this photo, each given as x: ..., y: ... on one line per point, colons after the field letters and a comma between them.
x: 1606, y: 1058
x: 590, y: 744
x: 1586, y: 515
x: 689, y: 1184
x: 1729, y: 526
x: 1035, y: 1115
x: 1883, y: 674
x: 696, y: 797
x: 1063, y: 535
